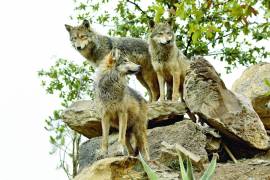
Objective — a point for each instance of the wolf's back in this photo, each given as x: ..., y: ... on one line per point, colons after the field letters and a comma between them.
x: 131, y: 45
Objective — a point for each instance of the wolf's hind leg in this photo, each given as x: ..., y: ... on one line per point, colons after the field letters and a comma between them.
x: 141, y: 141
x: 128, y: 144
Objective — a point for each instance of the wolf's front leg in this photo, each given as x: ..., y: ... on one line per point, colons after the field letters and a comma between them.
x: 176, y: 86
x: 122, y: 148
x: 105, y: 123
x: 161, y: 83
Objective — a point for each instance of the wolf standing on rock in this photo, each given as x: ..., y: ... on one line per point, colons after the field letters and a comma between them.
x: 168, y: 61
x: 94, y: 47
x: 120, y: 106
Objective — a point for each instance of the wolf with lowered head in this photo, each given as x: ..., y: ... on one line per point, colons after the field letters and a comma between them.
x: 168, y: 61
x: 120, y: 106
x: 94, y: 47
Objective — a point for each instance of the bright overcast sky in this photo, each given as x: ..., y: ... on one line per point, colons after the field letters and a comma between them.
x: 32, y: 36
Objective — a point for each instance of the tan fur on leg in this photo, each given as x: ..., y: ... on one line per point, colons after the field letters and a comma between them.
x: 122, y: 129
x: 161, y: 83
x: 176, y: 84
x: 105, y: 122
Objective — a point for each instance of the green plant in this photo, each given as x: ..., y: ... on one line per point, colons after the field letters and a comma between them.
x: 186, y: 173
x: 150, y: 172
x: 70, y: 82
x: 267, y: 83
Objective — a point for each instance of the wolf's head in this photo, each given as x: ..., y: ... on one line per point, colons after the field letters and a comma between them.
x: 82, y: 36
x: 162, y: 33
x: 117, y: 60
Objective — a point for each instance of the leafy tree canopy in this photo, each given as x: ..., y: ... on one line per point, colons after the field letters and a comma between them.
x: 235, y: 31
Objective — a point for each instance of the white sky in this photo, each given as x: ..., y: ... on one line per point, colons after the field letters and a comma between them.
x: 32, y: 34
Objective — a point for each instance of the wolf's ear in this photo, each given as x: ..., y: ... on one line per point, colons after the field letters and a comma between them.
x: 68, y: 27
x: 151, y: 23
x: 109, y: 60
x: 86, y: 23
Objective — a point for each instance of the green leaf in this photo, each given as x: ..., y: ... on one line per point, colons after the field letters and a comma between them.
x: 159, y: 12
x: 182, y: 168
x: 196, y: 36
x: 52, y: 140
x: 267, y: 82
x: 180, y: 11
x: 150, y: 173
x: 189, y: 169
x: 210, y: 170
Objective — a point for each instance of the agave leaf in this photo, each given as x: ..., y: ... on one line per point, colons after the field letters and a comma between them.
x: 190, y: 174
x: 210, y: 170
x: 182, y: 167
x: 150, y: 172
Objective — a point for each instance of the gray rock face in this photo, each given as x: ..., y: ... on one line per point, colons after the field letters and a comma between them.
x: 251, y: 84
x: 82, y: 117
x: 186, y: 133
x: 206, y: 95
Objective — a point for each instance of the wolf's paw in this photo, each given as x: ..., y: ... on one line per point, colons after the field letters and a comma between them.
x: 100, y: 154
x: 161, y: 99
x: 176, y: 98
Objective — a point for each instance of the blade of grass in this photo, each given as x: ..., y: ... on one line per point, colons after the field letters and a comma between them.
x: 150, y: 172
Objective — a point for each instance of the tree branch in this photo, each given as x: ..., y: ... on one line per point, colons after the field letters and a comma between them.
x: 188, y: 44
x: 139, y: 8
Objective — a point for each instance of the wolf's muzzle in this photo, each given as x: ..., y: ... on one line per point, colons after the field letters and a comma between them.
x: 166, y: 42
x: 79, y: 48
x: 135, y: 71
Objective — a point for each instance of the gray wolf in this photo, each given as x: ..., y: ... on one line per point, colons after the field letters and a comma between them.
x: 168, y: 61
x: 120, y: 106
x: 94, y: 47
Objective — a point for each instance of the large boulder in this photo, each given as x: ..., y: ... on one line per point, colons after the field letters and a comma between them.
x: 82, y: 116
x: 251, y: 84
x: 185, y: 133
x: 113, y: 168
x: 206, y: 95
x: 124, y: 168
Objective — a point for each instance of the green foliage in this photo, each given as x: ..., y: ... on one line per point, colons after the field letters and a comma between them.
x: 232, y: 30
x: 70, y: 82
x: 267, y: 83
x: 186, y: 173
x: 150, y: 172
x: 211, y: 169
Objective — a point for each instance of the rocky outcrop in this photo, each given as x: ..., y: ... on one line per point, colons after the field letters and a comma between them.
x: 130, y: 168
x: 113, y: 168
x: 185, y: 133
x: 206, y: 95
x: 251, y: 84
x: 82, y: 116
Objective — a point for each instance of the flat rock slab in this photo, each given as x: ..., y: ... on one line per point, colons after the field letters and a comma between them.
x: 206, y: 95
x: 251, y: 84
x: 82, y: 116
x: 185, y: 133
